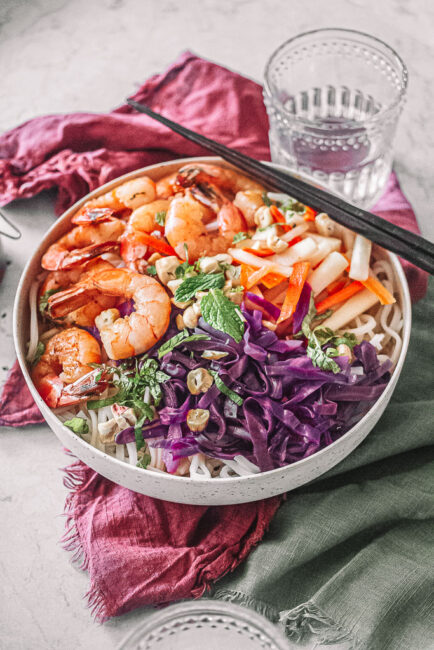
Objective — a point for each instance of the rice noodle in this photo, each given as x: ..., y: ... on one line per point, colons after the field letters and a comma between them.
x: 34, y: 328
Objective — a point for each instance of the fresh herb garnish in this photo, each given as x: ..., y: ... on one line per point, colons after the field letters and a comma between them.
x: 160, y: 217
x: 144, y: 460
x: 40, y: 349
x: 292, y: 205
x: 233, y: 396
x: 200, y: 282
x: 266, y: 200
x: 183, y: 269
x: 180, y: 339
x: 151, y: 270
x: 319, y: 337
x: 132, y: 380
x: 222, y: 314
x: 43, y: 301
x: 239, y: 236
x: 77, y: 425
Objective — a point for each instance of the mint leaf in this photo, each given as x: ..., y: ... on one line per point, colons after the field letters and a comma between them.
x: 180, y: 339
x: 183, y: 269
x: 160, y: 217
x: 239, y: 236
x: 77, y: 425
x: 320, y: 359
x: 237, y: 399
x: 95, y: 404
x: 222, y: 314
x: 151, y: 270
x: 200, y: 282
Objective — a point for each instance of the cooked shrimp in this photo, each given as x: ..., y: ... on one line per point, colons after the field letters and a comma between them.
x: 83, y: 243
x: 83, y: 316
x: 185, y: 226
x: 142, y: 220
x: 58, y: 374
x: 227, y: 180
x: 133, y: 334
x: 130, y: 194
x: 248, y: 202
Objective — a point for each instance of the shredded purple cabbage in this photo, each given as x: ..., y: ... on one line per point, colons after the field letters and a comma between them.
x: 290, y: 409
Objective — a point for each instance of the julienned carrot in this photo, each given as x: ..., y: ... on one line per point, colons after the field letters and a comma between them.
x: 339, y: 296
x: 245, y: 273
x: 295, y: 286
x: 337, y: 285
x: 272, y: 280
x: 383, y: 295
x: 255, y: 277
x: 309, y: 214
x: 157, y: 244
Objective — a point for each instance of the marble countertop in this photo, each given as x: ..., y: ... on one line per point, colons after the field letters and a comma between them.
x: 60, y: 56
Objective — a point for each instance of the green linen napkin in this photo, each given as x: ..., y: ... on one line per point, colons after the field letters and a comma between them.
x: 349, y: 558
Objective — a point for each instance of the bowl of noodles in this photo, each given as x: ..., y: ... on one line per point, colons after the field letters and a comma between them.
x: 194, y: 337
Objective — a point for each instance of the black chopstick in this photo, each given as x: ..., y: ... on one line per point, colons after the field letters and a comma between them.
x: 412, y: 247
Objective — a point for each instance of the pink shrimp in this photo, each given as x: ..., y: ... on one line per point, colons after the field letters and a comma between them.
x: 142, y: 220
x: 83, y: 243
x: 63, y: 375
x: 128, y: 195
x: 133, y: 334
x: 185, y: 226
x: 59, y: 280
x: 228, y: 180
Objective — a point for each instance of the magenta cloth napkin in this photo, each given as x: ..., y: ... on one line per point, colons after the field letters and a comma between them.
x: 139, y: 550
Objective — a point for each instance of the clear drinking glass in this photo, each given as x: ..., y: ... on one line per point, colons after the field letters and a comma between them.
x: 333, y: 98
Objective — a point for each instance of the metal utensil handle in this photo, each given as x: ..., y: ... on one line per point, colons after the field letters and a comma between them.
x: 17, y: 232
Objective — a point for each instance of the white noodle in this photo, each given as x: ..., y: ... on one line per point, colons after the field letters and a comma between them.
x: 45, y: 336
x: 34, y: 329
x: 198, y: 468
x: 132, y: 453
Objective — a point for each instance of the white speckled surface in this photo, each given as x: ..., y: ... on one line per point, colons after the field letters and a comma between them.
x: 58, y: 56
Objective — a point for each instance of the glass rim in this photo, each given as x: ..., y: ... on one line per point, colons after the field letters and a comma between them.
x: 398, y: 100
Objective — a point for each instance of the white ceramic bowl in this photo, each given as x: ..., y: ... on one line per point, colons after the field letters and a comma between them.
x: 175, y: 488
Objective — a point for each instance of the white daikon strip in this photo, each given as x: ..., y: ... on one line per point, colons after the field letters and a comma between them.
x: 278, y: 196
x: 359, y: 269
x: 353, y: 307
x: 295, y: 232
x: 258, y: 262
x: 325, y: 246
x: 348, y: 237
x: 301, y: 251
x: 120, y: 452
x: 328, y: 271
x: 132, y: 453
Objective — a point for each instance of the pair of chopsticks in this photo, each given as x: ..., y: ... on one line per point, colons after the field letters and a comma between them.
x: 411, y: 247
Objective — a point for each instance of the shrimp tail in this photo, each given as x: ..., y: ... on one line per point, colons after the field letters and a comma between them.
x: 69, y: 259
x: 64, y: 302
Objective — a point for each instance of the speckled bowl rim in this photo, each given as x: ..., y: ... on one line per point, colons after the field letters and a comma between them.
x: 60, y: 226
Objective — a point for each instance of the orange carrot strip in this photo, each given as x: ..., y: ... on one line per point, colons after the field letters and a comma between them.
x: 255, y: 277
x: 272, y: 280
x: 276, y: 214
x: 383, y: 295
x: 246, y: 272
x: 157, y: 244
x: 295, y: 286
x: 338, y: 297
x: 337, y: 285
x: 262, y: 252
x: 309, y: 214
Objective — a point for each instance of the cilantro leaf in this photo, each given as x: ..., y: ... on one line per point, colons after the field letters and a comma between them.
x: 160, y: 217
x: 144, y: 460
x: 151, y: 270
x: 183, y: 269
x: 222, y: 314
x: 40, y: 349
x: 265, y: 199
x: 77, y: 425
x: 233, y: 396
x: 200, y: 282
x: 180, y: 339
x: 43, y: 301
x: 239, y: 236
